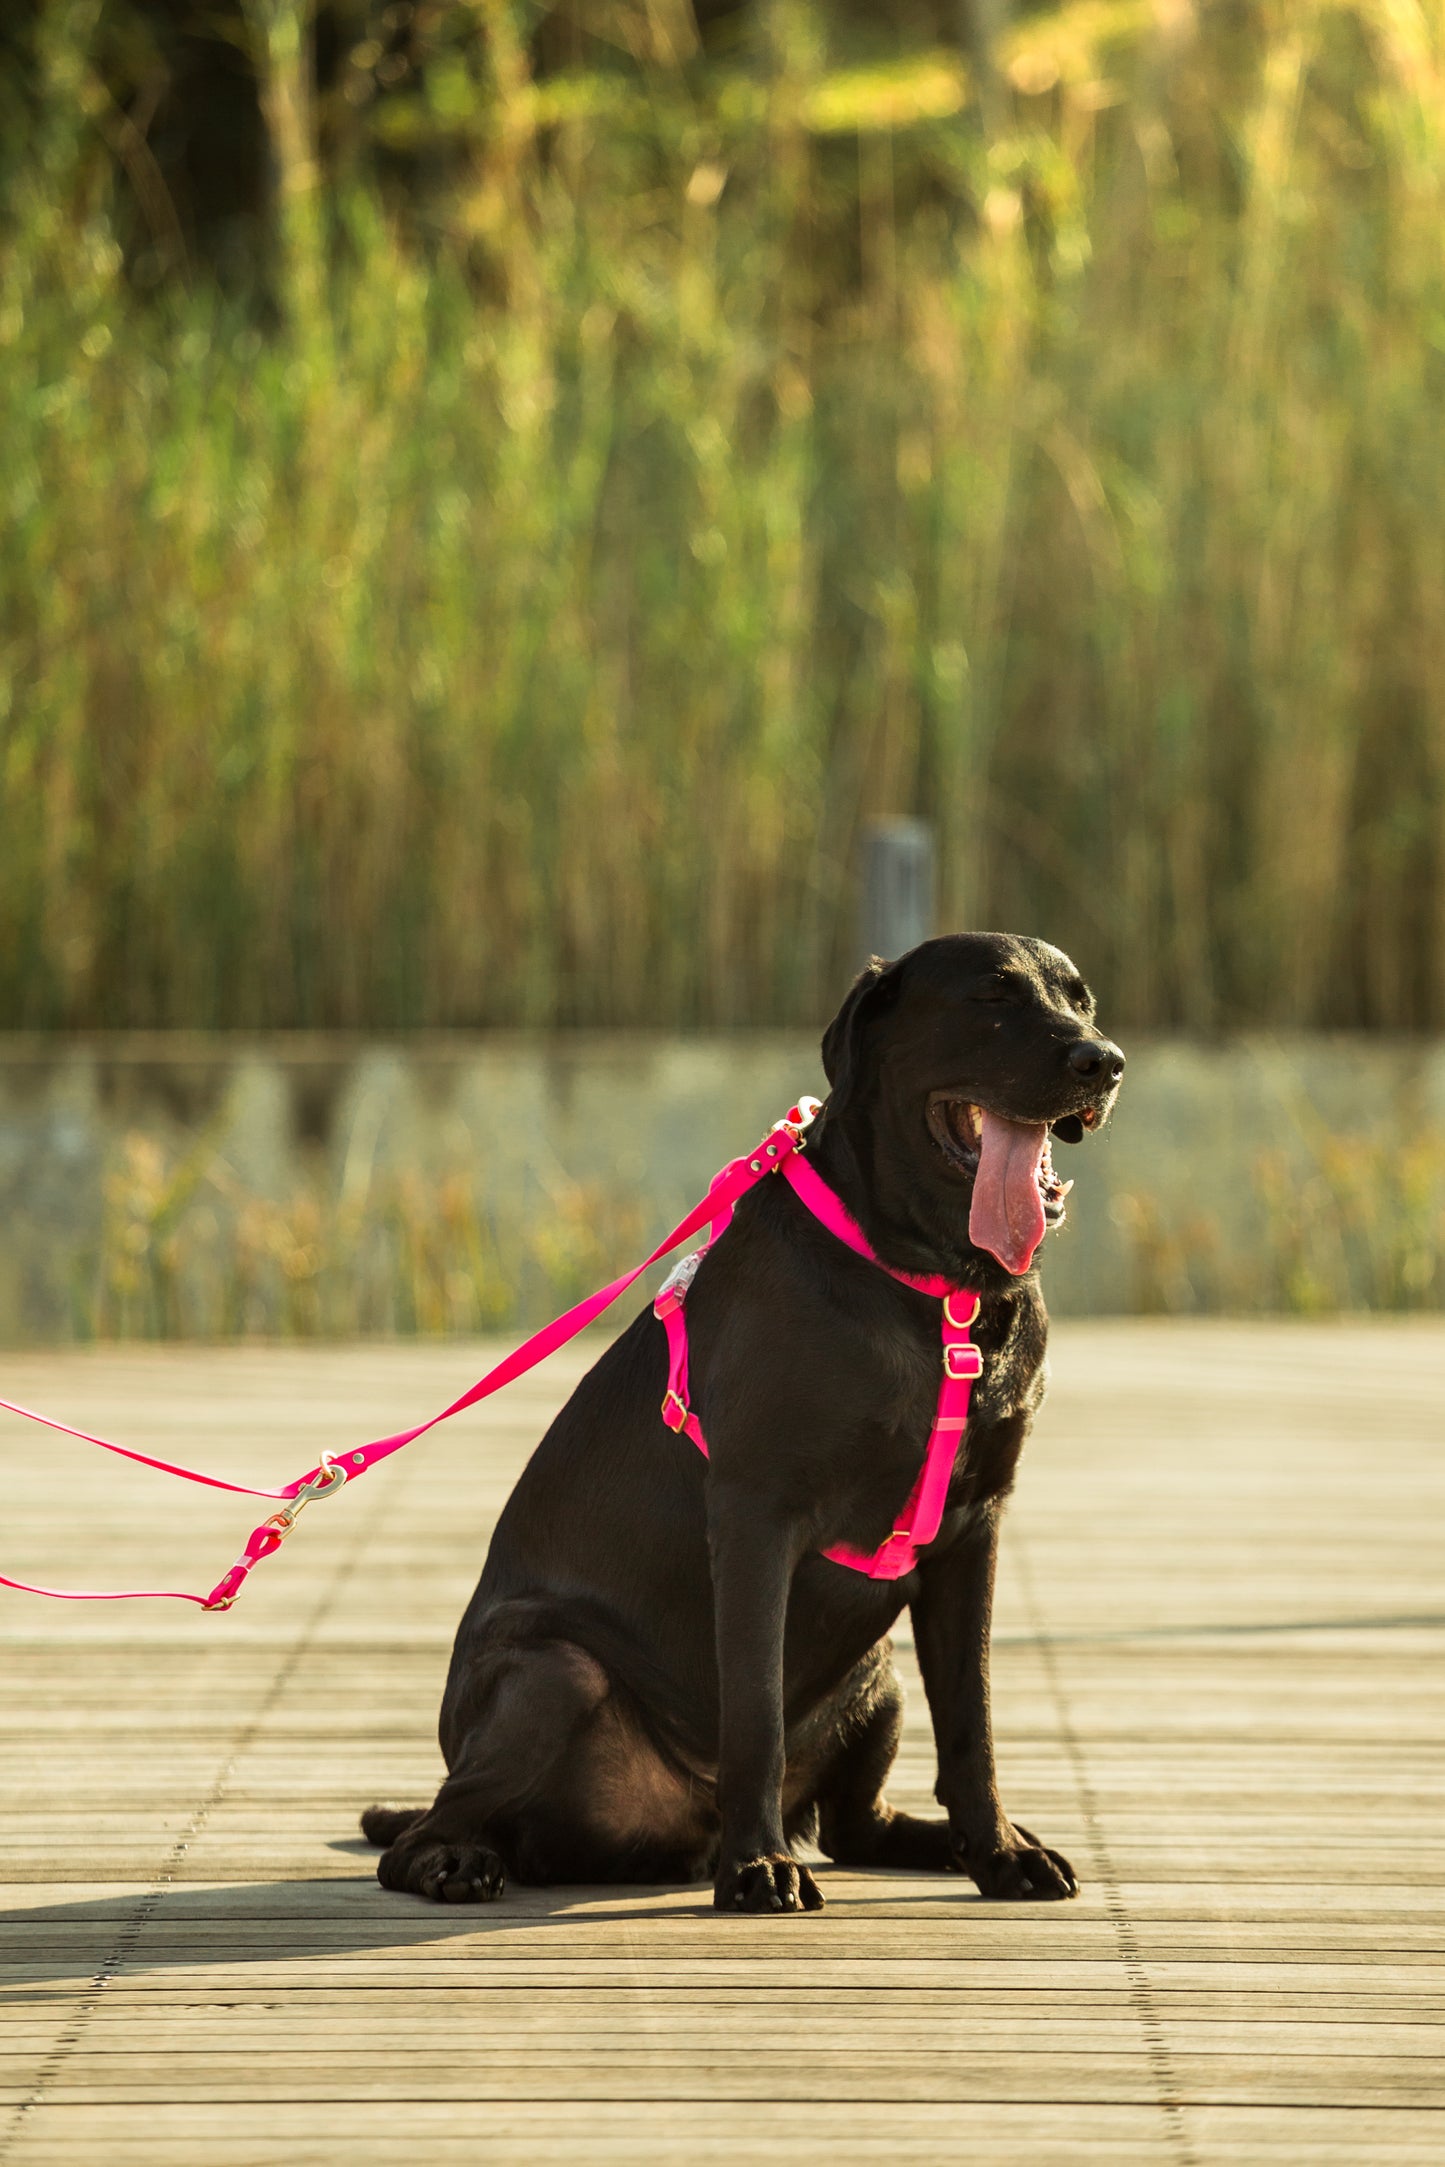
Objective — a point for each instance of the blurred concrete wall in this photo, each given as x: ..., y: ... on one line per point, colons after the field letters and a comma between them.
x: 163, y: 1184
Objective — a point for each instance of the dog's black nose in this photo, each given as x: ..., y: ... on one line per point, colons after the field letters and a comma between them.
x: 1095, y: 1058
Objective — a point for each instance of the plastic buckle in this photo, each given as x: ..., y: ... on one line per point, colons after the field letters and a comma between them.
x: 673, y: 1291
x: 674, y: 1409
x: 968, y: 1359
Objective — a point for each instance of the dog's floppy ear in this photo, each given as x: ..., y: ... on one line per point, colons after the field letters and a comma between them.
x: 873, y: 989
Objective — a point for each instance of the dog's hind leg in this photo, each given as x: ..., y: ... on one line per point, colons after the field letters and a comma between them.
x: 531, y: 1705
x: 856, y: 1825
x: 552, y: 1779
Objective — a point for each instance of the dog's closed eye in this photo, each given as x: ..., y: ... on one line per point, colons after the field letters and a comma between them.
x: 1000, y: 986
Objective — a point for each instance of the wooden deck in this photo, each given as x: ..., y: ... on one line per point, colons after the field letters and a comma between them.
x: 1218, y: 1688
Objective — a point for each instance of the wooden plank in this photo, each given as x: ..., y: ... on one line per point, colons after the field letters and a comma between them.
x: 748, y: 2131
x: 1219, y: 1686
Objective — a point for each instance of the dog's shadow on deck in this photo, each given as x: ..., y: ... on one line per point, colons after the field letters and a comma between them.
x: 179, y: 1928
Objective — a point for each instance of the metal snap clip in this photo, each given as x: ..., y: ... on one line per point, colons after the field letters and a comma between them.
x: 328, y: 1477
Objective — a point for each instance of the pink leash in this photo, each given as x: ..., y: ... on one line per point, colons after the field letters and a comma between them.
x: 962, y: 1364
x: 922, y: 1513
x: 330, y: 1475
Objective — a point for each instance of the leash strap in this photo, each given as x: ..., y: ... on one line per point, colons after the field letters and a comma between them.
x: 922, y: 1515
x: 331, y: 1475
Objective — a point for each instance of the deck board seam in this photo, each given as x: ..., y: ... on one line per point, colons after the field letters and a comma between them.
x: 128, y: 1939
x: 1167, y: 2089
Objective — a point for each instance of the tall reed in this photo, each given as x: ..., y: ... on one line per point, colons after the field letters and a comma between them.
x: 520, y: 625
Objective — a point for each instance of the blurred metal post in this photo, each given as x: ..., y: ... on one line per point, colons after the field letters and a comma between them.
x: 897, y: 910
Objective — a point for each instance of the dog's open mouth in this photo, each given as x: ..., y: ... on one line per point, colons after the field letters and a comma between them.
x: 1017, y: 1196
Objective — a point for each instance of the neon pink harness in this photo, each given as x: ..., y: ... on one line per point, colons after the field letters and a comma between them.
x: 962, y: 1365
x: 921, y: 1515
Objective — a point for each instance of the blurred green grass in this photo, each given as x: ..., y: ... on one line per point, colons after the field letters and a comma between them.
x: 514, y: 616
x: 1341, y: 1222
x: 186, y: 1252
x: 1360, y: 1225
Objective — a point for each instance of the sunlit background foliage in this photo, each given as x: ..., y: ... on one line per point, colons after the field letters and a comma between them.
x: 495, y: 497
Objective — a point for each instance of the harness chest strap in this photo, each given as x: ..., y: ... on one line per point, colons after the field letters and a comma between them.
x: 922, y: 1515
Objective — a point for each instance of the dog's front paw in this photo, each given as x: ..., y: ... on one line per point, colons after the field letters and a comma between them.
x: 1020, y: 1870
x: 773, y: 1883
x: 445, y: 1873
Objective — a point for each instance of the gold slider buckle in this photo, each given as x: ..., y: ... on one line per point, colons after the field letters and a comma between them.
x: 670, y: 1401
x: 968, y: 1358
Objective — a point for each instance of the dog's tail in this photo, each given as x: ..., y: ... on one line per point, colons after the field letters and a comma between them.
x: 382, y: 1825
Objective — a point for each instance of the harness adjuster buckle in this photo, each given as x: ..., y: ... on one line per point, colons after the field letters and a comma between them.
x: 674, y: 1409
x: 962, y: 1361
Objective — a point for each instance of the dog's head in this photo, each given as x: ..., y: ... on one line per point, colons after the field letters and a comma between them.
x: 949, y: 1071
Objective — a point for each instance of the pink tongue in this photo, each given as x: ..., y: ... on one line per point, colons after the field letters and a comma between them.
x: 1007, y: 1217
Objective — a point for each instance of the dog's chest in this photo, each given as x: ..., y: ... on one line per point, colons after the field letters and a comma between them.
x: 999, y: 1407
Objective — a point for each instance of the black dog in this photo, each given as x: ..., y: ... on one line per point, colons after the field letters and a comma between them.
x: 659, y: 1678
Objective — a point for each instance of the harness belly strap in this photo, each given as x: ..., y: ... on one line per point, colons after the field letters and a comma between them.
x: 922, y: 1515
x: 676, y: 1412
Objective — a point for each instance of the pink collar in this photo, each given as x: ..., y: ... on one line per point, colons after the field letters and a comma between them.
x: 830, y: 1211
